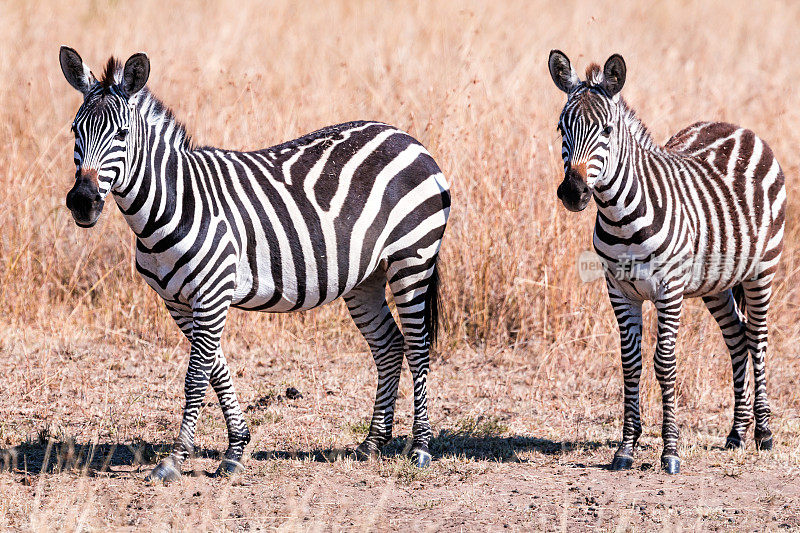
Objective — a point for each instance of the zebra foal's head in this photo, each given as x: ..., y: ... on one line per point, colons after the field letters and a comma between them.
x: 105, y: 129
x: 587, y: 122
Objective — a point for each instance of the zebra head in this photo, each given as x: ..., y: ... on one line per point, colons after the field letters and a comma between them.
x: 102, y: 126
x: 586, y: 124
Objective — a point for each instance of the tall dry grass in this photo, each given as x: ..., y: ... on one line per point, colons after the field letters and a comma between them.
x: 467, y: 79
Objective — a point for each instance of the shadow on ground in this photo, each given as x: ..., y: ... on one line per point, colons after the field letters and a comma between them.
x: 446, y: 444
x: 33, y: 458
x: 90, y: 459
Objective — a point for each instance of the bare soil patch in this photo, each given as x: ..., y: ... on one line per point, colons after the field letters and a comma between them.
x: 507, y: 459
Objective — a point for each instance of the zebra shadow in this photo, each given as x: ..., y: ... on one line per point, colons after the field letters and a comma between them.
x: 33, y: 458
x: 453, y: 444
x: 52, y: 457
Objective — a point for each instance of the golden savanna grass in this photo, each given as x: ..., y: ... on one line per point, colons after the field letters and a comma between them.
x: 525, y: 384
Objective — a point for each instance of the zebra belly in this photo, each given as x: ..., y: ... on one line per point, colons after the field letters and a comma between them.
x: 712, y: 273
x: 269, y: 297
x: 640, y: 280
x: 722, y: 260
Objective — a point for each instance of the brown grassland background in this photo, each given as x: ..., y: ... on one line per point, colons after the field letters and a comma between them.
x: 525, y: 386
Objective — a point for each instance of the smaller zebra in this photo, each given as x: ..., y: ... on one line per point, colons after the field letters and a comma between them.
x: 702, y: 216
x: 342, y: 212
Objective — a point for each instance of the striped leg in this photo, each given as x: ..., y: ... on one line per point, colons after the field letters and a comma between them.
x: 207, y: 325
x: 367, y: 306
x: 238, y: 433
x: 757, y: 294
x: 629, y: 319
x: 668, y: 310
x: 414, y: 284
x: 724, y: 310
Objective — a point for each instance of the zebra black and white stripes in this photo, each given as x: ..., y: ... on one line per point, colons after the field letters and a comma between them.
x: 702, y: 216
x: 339, y: 212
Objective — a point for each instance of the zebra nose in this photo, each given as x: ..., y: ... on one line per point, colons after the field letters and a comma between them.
x: 83, y: 196
x: 71, y: 200
x: 579, y: 170
x: 78, y: 200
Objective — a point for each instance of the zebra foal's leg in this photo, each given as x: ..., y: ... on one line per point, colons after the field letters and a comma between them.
x: 206, y: 331
x: 757, y: 294
x: 629, y: 319
x: 414, y: 285
x: 668, y: 309
x: 724, y: 310
x: 367, y: 306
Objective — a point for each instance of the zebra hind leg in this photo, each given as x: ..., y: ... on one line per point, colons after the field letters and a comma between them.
x: 415, y: 285
x: 370, y: 312
x: 725, y: 311
x: 757, y: 294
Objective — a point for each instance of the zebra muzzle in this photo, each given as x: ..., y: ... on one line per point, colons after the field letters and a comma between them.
x: 84, y: 202
x: 573, y: 192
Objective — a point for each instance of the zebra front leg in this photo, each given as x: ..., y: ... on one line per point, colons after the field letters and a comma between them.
x: 206, y: 332
x: 668, y: 310
x: 238, y: 433
x: 367, y: 306
x: 757, y: 294
x: 724, y: 310
x: 629, y: 319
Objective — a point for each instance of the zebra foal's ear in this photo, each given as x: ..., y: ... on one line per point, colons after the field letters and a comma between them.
x: 135, y: 73
x: 614, y: 74
x: 75, y: 70
x: 562, y: 72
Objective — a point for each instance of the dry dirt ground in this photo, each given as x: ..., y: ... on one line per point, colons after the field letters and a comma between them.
x: 516, y: 446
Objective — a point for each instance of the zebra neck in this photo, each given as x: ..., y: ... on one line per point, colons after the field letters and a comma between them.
x: 151, y: 199
x: 633, y: 203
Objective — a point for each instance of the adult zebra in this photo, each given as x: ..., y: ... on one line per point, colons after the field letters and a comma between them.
x: 338, y: 212
x: 702, y: 216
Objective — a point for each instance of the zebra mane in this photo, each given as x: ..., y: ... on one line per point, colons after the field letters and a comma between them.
x: 594, y: 76
x: 155, y: 110
x: 112, y: 73
x: 150, y: 106
x: 637, y: 128
x: 594, y: 80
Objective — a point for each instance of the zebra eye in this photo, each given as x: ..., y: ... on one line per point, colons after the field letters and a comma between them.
x: 608, y: 129
x: 121, y: 134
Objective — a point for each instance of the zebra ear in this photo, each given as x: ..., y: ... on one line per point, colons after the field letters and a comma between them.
x: 562, y: 72
x: 135, y: 73
x: 614, y: 74
x: 75, y: 70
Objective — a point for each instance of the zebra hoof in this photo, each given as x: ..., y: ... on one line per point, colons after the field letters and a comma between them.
x: 621, y: 462
x: 165, y: 471
x: 733, y: 443
x: 367, y: 451
x: 670, y: 464
x: 421, y: 458
x: 763, y: 439
x: 228, y: 468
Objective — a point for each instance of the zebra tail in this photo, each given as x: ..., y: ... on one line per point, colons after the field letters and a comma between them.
x: 432, y: 305
x: 738, y: 298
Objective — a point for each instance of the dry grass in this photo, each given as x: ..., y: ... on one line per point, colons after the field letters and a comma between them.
x: 528, y: 367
